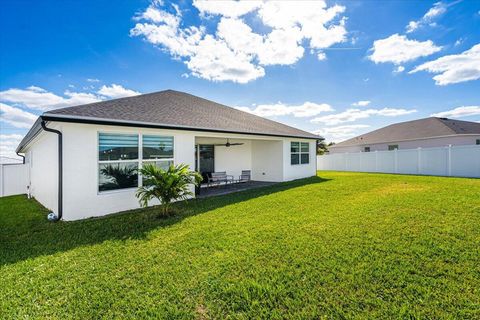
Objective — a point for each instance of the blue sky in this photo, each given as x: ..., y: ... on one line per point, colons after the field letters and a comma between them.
x: 337, y: 68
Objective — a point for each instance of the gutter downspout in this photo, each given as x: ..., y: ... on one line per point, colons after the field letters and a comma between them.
x: 60, y: 170
x: 23, y: 157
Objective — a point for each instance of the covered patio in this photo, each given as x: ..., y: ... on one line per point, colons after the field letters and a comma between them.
x: 206, y: 191
x: 233, y: 155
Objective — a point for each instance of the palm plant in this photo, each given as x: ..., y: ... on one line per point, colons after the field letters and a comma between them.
x: 166, y: 185
x: 119, y: 176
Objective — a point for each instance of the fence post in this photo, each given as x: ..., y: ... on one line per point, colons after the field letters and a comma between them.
x: 419, y: 160
x: 346, y: 161
x: 449, y: 160
x: 376, y: 160
x: 1, y: 180
x: 396, y: 160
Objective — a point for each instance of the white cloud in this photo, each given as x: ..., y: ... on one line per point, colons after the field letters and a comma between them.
x: 399, y: 49
x: 8, y: 144
x: 36, y: 89
x: 321, y: 56
x: 399, y: 69
x: 16, y: 117
x: 307, y: 109
x: 412, y: 26
x: 340, y: 133
x: 93, y: 80
x: 459, y: 42
x: 361, y: 103
x: 37, y: 98
x: 459, y: 112
x: 115, y: 91
x: 235, y: 52
x: 227, y: 8
x: 40, y: 99
x: 351, y: 115
x: 454, y: 68
x: 434, y: 12
x: 215, y: 61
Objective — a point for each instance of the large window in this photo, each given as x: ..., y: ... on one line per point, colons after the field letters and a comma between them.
x: 477, y: 141
x: 299, y: 153
x: 119, y: 157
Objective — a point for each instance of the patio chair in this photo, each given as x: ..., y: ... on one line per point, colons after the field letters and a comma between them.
x: 245, y: 176
x: 216, y: 178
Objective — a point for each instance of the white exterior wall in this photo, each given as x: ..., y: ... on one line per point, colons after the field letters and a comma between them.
x: 267, y: 160
x: 234, y: 159
x: 267, y: 157
x: 298, y: 171
x: 81, y: 197
x: 457, y: 140
x: 41, y: 158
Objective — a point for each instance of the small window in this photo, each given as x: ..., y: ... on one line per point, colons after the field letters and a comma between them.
x: 295, y: 158
x: 366, y: 149
x: 295, y: 147
x: 304, y: 158
x: 393, y: 147
x: 299, y: 153
x: 478, y: 141
x: 304, y: 147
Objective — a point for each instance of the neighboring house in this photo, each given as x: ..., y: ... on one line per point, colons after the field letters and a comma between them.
x: 422, y: 133
x: 82, y: 159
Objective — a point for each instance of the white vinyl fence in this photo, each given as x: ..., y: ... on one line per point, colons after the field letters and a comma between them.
x: 13, y: 179
x: 459, y: 161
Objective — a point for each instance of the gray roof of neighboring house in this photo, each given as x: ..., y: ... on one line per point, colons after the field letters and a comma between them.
x: 414, y: 130
x: 170, y: 109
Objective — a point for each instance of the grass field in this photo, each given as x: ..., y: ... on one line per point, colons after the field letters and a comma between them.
x: 340, y: 245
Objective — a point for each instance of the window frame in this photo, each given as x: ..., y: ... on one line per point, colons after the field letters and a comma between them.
x: 299, y: 153
x: 365, y: 149
x: 139, y: 159
x: 394, y: 147
x: 140, y: 154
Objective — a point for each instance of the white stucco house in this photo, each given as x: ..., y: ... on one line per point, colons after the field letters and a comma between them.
x: 68, y: 150
x: 422, y: 133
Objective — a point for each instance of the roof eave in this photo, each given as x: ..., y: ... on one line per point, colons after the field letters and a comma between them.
x: 31, y: 134
x: 116, y: 122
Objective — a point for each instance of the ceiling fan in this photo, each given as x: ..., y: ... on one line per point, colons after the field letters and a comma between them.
x: 228, y: 144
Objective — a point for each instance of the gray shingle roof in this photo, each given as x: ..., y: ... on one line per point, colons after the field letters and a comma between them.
x: 412, y: 130
x: 179, y: 110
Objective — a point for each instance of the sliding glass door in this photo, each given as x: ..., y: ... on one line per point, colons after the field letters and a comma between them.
x: 205, y: 160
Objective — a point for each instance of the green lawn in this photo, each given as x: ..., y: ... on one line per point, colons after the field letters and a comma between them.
x: 340, y: 245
